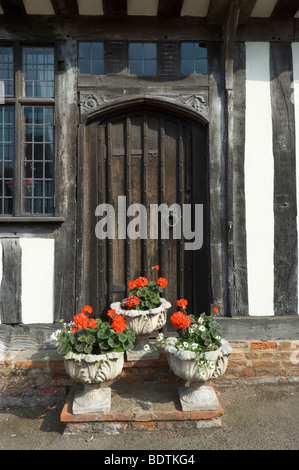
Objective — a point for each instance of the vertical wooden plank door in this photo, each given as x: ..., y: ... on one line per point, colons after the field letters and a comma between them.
x: 151, y: 158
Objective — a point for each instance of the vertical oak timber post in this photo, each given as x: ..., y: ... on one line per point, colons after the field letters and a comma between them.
x: 229, y: 29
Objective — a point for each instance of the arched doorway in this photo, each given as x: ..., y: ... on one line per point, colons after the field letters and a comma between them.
x: 145, y: 157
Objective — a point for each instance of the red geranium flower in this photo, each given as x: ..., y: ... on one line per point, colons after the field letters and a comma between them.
x: 182, y: 303
x: 162, y: 282
x: 131, y: 285
x: 86, y: 308
x: 118, y: 323
x: 141, y: 282
x: 180, y: 321
x: 111, y: 313
x: 131, y: 301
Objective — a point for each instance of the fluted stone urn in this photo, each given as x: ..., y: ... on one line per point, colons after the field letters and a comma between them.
x: 93, y: 371
x: 143, y: 323
x: 198, y: 396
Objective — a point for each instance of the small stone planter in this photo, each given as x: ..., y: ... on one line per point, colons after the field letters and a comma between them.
x: 198, y: 396
x: 92, y: 371
x: 143, y: 323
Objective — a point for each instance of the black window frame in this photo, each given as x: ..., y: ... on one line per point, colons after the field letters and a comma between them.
x: 19, y: 102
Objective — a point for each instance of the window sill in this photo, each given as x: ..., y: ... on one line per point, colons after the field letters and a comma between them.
x: 30, y: 219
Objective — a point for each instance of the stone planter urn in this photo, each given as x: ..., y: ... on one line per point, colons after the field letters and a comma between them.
x: 143, y: 323
x: 93, y: 371
x: 198, y: 396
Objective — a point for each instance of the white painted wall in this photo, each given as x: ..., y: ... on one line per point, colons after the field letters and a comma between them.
x: 37, y: 280
x: 259, y: 177
x: 295, y: 97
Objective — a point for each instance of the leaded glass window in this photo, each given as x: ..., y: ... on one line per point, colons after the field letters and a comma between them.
x: 38, y: 72
x: 91, y: 58
x: 193, y: 58
x: 27, y: 143
x: 143, y: 58
x: 38, y: 159
x: 6, y: 71
x: 7, y: 127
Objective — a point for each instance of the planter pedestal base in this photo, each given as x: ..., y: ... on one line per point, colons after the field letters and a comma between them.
x: 198, y: 398
x: 92, y: 399
x: 139, y: 353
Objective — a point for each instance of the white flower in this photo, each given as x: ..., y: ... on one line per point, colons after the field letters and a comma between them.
x: 54, y: 336
x: 160, y: 337
x: 211, y: 365
x: 218, y: 337
x: 194, y: 345
x: 185, y: 344
x: 191, y: 329
x: 201, y: 328
x: 180, y: 347
x: 202, y: 373
x: 147, y: 347
x: 200, y: 320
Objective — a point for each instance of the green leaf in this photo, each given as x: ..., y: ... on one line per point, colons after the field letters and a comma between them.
x: 80, y: 347
x: 104, y: 344
x: 88, y: 349
x: 113, y: 341
x: 104, y: 332
x: 130, y: 335
x: 122, y: 336
x: 90, y: 339
x: 127, y: 345
x: 64, y: 348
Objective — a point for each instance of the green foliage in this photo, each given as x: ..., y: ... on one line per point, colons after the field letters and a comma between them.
x: 93, y: 340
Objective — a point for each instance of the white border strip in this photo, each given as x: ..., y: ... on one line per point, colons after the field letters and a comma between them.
x: 259, y: 181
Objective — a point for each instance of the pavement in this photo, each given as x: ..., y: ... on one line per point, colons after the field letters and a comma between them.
x: 259, y: 416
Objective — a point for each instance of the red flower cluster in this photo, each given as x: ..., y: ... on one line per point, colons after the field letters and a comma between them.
x: 180, y: 321
x: 87, y: 309
x: 162, y: 282
x: 132, y: 300
x: 82, y: 321
x: 118, y: 323
x: 139, y: 282
x: 111, y: 313
x: 182, y: 303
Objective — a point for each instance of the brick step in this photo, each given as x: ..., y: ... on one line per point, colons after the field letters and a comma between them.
x: 140, y: 406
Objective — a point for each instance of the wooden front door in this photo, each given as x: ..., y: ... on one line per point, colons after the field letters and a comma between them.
x: 148, y: 158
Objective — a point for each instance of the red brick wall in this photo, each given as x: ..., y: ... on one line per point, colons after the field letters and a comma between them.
x: 38, y: 377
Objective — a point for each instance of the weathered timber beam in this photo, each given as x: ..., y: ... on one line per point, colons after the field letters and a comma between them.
x: 229, y: 30
x: 13, y: 7
x: 65, y: 7
x: 115, y: 7
x: 285, y: 8
x: 217, y: 11
x: 167, y: 8
x: 246, y: 8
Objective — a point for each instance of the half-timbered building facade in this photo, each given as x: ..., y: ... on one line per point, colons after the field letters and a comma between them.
x: 123, y: 102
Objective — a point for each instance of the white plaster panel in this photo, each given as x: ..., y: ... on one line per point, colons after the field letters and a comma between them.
x: 259, y: 181
x: 263, y: 8
x: 195, y: 8
x: 142, y: 7
x: 295, y: 98
x: 37, y: 280
x: 38, y: 7
x: 90, y: 7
